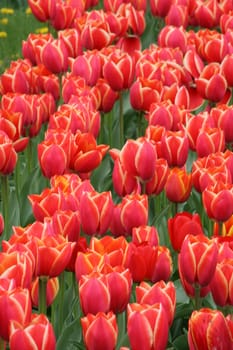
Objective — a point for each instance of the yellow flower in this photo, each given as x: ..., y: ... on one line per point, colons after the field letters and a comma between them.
x: 4, y: 21
x: 3, y: 34
x: 42, y: 30
x: 6, y: 11
x: 28, y: 11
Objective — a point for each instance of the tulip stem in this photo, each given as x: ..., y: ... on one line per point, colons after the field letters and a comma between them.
x: 61, y: 300
x: 197, y: 297
x: 5, y: 203
x: 121, y: 118
x: 42, y: 294
x: 2, y: 344
x: 220, y: 228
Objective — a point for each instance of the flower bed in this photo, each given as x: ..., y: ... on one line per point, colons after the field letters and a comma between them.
x: 116, y: 178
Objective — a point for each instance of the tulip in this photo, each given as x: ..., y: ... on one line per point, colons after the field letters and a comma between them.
x: 171, y: 36
x: 139, y: 158
x: 94, y: 293
x: 198, y: 259
x: 52, y: 288
x: 37, y: 334
x: 181, y: 225
x: 54, y: 254
x: 134, y: 212
x: 67, y: 223
x: 17, y: 78
x: 87, y: 66
x: 156, y: 184
x: 193, y: 63
x: 208, y: 14
x: 160, y: 8
x: 8, y: 155
x: 222, y: 117
x: 160, y: 292
x: 96, y: 212
x: 218, y: 201
x: 86, y: 155
x: 100, y: 331
x: 175, y: 147
x: 119, y: 70
x: 136, y: 18
x: 108, y: 95
x: 211, y: 84
x: 15, y: 305
x: 52, y: 158
x: 72, y: 40
x: 221, y: 283
x: 210, y: 141
x: 42, y: 10
x: 64, y: 15
x: 147, y: 326
x: 144, y: 92
x: 54, y: 56
x: 18, y: 266
x: 178, y: 186
x: 145, y: 233
x: 177, y: 16
x: 209, y: 329
x: 29, y: 50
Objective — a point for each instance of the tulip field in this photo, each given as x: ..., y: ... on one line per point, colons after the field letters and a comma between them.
x: 116, y: 175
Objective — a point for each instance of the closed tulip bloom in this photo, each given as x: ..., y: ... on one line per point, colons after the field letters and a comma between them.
x: 138, y: 157
x: 160, y: 292
x: 94, y: 293
x: 160, y: 7
x: 177, y: 16
x: 171, y: 36
x: 210, y: 140
x: 108, y: 95
x: 181, y: 225
x: 209, y: 329
x: 15, y: 305
x: 42, y: 10
x: 64, y: 15
x: 38, y: 334
x: 175, y: 147
x: 17, y: 78
x: 223, y: 117
x: 72, y: 40
x: 218, y: 201
x: 54, y: 56
x: 96, y: 34
x: 178, y: 185
x: 198, y: 259
x: 207, y: 14
x: 119, y: 70
x: 193, y: 63
x: 53, y: 159
x: 211, y: 84
x: 96, y: 212
x: 144, y: 92
x: 134, y: 212
x: 145, y: 233
x: 159, y: 179
x: 100, y: 331
x: 147, y: 326
x: 221, y: 284
x: 8, y: 155
x: 52, y: 289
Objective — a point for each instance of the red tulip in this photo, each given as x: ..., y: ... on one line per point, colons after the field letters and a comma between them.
x: 193, y: 63
x: 67, y: 223
x: 158, y: 181
x: 160, y: 7
x: 160, y: 292
x: 54, y: 56
x: 218, y: 201
x: 171, y: 36
x: 72, y: 40
x: 52, y: 288
x: 139, y: 158
x: 198, y: 260
x: 177, y: 16
x: 37, y: 334
x: 181, y: 225
x: 8, y: 155
x: 136, y: 18
x: 87, y: 66
x: 222, y: 116
x: 175, y: 147
x: 54, y: 254
x: 118, y: 70
x: 148, y: 234
x: 178, y: 186
x: 52, y: 158
x: 100, y: 331
x: 96, y: 212
x: 15, y: 305
x: 209, y: 329
x: 29, y: 46
x: 211, y: 83
x: 64, y: 15
x: 42, y: 10
x: 86, y: 155
x: 108, y: 95
x: 221, y: 284
x: 134, y: 212
x: 207, y: 14
x: 147, y: 326
x: 94, y: 293
x: 144, y: 92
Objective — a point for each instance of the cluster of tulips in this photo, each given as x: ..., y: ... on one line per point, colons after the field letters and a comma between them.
x: 97, y: 268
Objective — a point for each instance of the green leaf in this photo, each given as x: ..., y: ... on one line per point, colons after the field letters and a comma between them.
x: 181, y: 342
